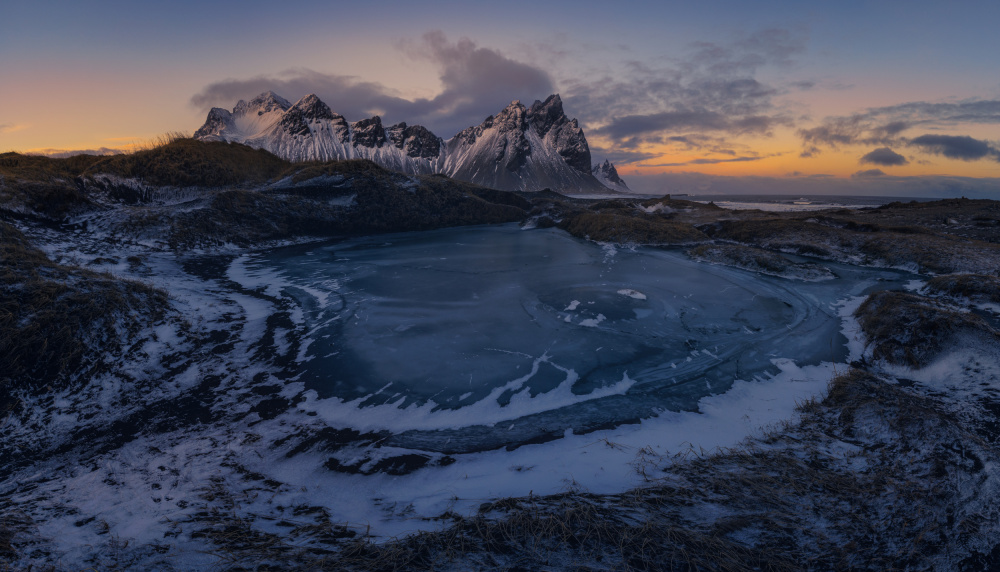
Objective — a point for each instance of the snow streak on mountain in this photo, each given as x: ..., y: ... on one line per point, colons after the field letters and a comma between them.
x: 519, y: 149
x: 608, y: 175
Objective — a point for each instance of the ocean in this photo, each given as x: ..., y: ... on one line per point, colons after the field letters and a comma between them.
x: 787, y: 203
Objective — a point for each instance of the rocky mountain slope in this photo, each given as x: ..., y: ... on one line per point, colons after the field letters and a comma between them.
x: 608, y: 175
x: 519, y: 149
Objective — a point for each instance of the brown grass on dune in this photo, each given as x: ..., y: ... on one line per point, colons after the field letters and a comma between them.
x: 635, y: 229
x: 924, y: 251
x: 911, y: 330
x: 189, y: 163
x: 57, y: 321
x: 975, y: 287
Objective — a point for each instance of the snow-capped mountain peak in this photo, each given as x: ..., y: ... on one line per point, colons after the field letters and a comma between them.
x: 564, y: 134
x: 263, y: 103
x: 369, y: 133
x: 607, y: 174
x: 519, y: 148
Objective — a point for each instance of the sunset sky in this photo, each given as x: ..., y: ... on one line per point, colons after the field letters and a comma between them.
x: 773, y: 95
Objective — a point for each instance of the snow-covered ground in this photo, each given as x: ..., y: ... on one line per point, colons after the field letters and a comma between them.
x: 392, y: 379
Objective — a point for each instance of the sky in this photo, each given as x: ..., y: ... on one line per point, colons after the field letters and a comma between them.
x: 847, y: 97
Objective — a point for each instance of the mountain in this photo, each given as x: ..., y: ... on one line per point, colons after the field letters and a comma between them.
x: 608, y: 175
x: 518, y: 149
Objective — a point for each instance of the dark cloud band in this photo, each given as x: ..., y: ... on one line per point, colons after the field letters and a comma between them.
x: 885, y: 125
x: 885, y: 157
x: 960, y: 147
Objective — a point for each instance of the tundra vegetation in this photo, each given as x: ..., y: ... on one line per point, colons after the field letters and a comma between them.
x: 883, y: 472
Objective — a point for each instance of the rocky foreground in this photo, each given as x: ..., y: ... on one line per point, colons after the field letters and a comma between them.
x: 896, y: 467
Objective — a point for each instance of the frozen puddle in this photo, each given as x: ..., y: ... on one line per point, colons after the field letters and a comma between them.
x: 466, y: 340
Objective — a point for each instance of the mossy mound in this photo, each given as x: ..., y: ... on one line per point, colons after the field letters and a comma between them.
x: 759, y: 260
x: 870, y: 245
x: 634, y: 229
x: 57, y: 322
x: 975, y: 287
x: 192, y: 163
x: 43, y: 186
x: 910, y: 330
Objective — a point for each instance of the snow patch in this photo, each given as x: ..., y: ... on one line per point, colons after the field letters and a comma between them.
x: 632, y: 293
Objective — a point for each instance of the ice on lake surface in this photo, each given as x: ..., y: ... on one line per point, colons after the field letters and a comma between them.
x: 471, y: 339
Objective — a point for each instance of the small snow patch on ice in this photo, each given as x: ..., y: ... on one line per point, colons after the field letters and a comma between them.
x: 572, y: 306
x: 609, y: 250
x: 593, y: 322
x: 632, y: 293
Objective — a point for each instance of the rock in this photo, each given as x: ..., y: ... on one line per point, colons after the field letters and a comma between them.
x: 416, y: 140
x: 369, y: 132
x: 310, y: 109
x: 607, y: 174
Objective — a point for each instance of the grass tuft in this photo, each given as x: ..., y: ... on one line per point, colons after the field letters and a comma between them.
x: 911, y: 330
x: 634, y: 229
x: 59, y: 321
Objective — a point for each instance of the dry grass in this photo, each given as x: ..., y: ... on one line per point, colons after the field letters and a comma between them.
x: 742, y: 256
x: 911, y: 330
x: 191, y: 163
x: 976, y: 219
x: 58, y: 321
x: 871, y: 244
x: 975, y: 287
x: 631, y: 229
x: 383, y: 202
x: 41, y: 185
x: 758, y: 260
x: 301, y: 172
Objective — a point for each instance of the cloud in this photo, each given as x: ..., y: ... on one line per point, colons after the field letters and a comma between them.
x: 11, y: 127
x: 471, y: 74
x: 774, y: 46
x: 885, y: 157
x: 689, y: 142
x: 682, y: 121
x: 707, y: 161
x: 808, y: 175
x: 868, y: 173
x: 885, y: 125
x: 619, y: 156
x: 810, y: 151
x: 835, y: 132
x: 476, y: 81
x: 714, y: 89
x: 347, y: 95
x: 627, y: 151
x: 960, y: 147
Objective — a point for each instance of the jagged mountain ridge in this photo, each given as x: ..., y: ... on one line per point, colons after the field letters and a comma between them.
x: 519, y: 149
x: 608, y: 175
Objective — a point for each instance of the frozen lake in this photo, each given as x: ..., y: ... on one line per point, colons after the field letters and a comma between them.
x: 390, y: 381
x: 471, y: 339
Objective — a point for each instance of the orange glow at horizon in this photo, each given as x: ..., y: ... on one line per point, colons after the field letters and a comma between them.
x: 780, y: 156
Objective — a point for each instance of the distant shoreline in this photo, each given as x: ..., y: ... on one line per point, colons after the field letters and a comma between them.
x: 799, y: 202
